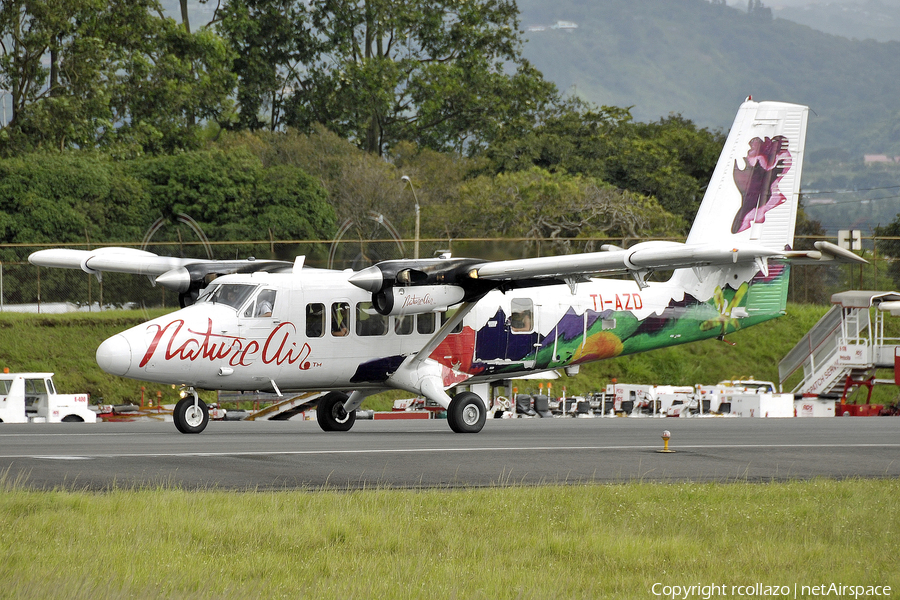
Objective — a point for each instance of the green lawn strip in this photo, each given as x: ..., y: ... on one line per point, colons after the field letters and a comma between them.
x: 592, y: 541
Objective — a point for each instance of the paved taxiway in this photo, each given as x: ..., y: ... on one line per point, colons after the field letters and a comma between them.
x: 297, y: 454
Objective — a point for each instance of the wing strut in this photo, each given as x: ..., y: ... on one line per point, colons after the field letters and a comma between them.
x: 421, y: 374
x: 442, y: 333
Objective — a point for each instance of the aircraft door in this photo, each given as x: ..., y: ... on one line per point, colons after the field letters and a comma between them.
x: 261, y: 319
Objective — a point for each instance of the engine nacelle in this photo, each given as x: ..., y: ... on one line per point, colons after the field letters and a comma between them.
x: 414, y: 300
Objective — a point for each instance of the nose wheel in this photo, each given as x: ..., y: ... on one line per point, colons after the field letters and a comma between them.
x: 191, y: 414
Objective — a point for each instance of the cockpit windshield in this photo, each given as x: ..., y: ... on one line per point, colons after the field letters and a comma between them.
x: 232, y: 294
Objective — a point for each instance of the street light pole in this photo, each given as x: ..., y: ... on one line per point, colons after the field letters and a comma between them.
x: 3, y: 95
x: 407, y: 180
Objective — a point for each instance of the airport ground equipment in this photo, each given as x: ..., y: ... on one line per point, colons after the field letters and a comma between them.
x: 279, y: 408
x: 32, y: 398
x: 843, y: 350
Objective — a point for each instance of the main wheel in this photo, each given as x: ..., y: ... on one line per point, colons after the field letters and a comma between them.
x: 331, y: 415
x: 467, y: 413
x: 189, y: 418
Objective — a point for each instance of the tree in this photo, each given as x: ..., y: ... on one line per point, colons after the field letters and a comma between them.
x: 119, y: 72
x: 167, y: 87
x: 234, y: 196
x: 61, y: 103
x: 537, y: 204
x: 270, y: 44
x: 442, y: 73
x: 671, y: 159
x: 756, y: 9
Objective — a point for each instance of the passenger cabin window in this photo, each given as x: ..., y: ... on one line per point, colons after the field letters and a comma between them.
x: 262, y: 305
x: 425, y: 323
x: 315, y: 320
x: 340, y: 319
x: 447, y: 315
x: 368, y: 321
x: 404, y: 325
x: 521, y: 317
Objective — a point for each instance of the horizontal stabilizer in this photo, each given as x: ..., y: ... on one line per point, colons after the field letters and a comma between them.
x: 824, y: 252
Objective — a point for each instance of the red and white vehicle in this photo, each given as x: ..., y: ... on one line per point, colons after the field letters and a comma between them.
x: 32, y: 398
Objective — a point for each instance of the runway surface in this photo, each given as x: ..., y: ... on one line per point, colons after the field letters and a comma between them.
x: 413, y: 454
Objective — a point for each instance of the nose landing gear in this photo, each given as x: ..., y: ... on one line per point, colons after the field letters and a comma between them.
x: 191, y: 414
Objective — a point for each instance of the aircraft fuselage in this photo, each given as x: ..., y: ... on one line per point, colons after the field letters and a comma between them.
x: 322, y: 333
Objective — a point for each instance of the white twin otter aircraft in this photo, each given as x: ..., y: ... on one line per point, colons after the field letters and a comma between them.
x: 428, y: 325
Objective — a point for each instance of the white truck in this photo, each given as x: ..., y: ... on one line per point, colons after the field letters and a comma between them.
x: 32, y: 398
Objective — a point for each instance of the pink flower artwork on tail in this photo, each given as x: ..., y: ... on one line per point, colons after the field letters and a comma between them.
x: 766, y: 163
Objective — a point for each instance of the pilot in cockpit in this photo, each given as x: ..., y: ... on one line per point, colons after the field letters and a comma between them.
x: 264, y: 303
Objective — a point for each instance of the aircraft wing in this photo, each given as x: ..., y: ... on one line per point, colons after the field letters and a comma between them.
x: 652, y: 256
x: 178, y: 274
x: 392, y: 281
x: 115, y: 260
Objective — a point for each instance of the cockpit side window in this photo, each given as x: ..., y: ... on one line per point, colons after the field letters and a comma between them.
x: 231, y: 294
x: 262, y: 304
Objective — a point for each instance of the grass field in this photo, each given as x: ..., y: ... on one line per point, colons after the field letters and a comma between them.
x: 593, y: 541
x: 631, y: 540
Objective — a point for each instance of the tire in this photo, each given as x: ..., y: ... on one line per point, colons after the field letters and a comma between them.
x: 331, y: 415
x: 187, y: 418
x: 72, y: 419
x: 467, y: 413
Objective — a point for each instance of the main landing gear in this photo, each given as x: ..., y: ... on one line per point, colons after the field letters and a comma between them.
x: 331, y: 415
x: 191, y: 414
x: 466, y: 413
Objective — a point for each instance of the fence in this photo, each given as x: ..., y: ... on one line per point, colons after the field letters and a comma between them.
x: 27, y: 288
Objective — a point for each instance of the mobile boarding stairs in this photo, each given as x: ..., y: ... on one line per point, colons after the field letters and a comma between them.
x: 844, y: 349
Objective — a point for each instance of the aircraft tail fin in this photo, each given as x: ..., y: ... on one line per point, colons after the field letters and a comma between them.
x: 755, y: 189
x: 752, y: 199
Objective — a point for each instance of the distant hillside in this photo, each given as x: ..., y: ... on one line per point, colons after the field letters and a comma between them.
x: 701, y: 60
x: 861, y: 19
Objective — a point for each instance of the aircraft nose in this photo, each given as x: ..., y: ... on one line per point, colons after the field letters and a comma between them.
x: 114, y: 355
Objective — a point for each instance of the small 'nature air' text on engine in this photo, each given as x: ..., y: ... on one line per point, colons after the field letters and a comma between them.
x: 413, y: 300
